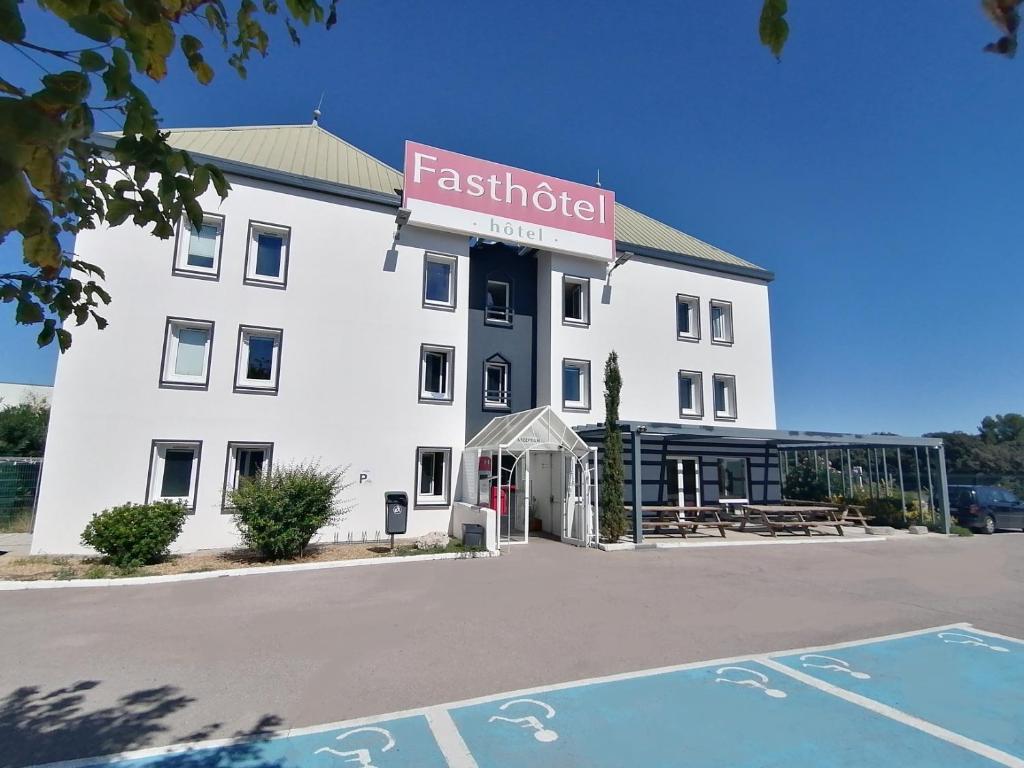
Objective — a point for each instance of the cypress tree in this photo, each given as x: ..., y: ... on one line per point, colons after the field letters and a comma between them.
x: 613, y: 515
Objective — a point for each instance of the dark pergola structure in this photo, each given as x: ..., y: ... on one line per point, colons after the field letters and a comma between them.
x: 876, y: 449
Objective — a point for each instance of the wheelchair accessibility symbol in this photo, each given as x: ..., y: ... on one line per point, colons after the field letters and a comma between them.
x: 971, y: 640
x: 362, y: 757
x: 755, y: 679
x: 835, y: 665
x: 540, y: 733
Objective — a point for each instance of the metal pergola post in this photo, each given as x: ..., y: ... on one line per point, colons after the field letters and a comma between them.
x: 931, y: 488
x: 828, y: 475
x: 635, y: 476
x: 943, y: 488
x: 903, y: 496
x: 917, y: 476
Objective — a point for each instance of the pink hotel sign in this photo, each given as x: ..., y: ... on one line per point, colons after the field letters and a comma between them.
x: 446, y: 190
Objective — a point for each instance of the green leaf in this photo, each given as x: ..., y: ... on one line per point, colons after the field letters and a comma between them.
x: 46, y: 335
x: 774, y: 29
x: 95, y: 26
x: 12, y: 28
x: 118, y: 77
x: 27, y: 312
x: 190, y: 44
x: 63, y: 340
x: 201, y: 179
x: 91, y: 61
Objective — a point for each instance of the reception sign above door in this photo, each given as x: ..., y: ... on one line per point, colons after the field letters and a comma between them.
x: 457, y: 193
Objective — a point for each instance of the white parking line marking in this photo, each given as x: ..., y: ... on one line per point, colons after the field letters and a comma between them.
x: 449, y: 739
x: 885, y: 710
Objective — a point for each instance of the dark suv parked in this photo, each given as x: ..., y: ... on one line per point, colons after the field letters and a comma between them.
x: 985, y: 508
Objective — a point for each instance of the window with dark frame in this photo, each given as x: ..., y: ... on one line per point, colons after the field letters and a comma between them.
x: 732, y: 480
x: 432, y: 465
x: 576, y: 385
x: 691, y: 399
x: 724, y: 388
x: 575, y: 300
x: 259, y: 359
x: 721, y: 322
x: 687, y: 317
x: 436, y: 373
x: 439, y: 281
x: 174, y: 471
x: 498, y: 309
x: 496, y: 383
x: 267, y: 255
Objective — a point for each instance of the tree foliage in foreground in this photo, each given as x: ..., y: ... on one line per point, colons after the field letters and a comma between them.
x: 53, y: 179
x: 613, y: 473
x: 1004, y: 14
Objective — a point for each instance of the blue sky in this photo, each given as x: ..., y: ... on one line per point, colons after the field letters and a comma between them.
x: 876, y: 169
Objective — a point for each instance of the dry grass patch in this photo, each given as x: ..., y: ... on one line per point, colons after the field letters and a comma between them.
x: 47, y: 567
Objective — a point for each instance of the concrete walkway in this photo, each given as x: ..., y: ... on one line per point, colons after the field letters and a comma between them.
x: 15, y: 544
x: 96, y: 671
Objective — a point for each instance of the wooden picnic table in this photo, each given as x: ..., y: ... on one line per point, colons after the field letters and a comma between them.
x: 782, y: 517
x: 686, y: 519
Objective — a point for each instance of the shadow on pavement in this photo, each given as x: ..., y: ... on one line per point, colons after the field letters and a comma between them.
x: 42, y: 727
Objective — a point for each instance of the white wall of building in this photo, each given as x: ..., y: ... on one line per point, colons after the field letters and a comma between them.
x: 634, y: 313
x: 353, y: 323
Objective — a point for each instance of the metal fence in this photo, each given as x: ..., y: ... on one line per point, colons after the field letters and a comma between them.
x: 19, y: 486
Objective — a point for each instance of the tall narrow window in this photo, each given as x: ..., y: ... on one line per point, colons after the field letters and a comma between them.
x: 266, y: 258
x: 687, y: 317
x: 498, y: 310
x: 721, y: 322
x: 433, y: 475
x: 436, y: 373
x: 691, y: 397
x: 186, y: 354
x: 725, y: 396
x: 197, y: 252
x: 576, y: 385
x: 244, y: 462
x: 259, y: 359
x: 575, y: 300
x: 496, y: 384
x: 173, y: 471
x: 439, y: 281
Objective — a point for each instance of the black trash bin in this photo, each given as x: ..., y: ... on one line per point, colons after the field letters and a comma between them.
x: 473, y: 536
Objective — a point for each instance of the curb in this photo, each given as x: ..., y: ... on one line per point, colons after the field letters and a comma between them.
x: 630, y: 547
x: 127, y: 581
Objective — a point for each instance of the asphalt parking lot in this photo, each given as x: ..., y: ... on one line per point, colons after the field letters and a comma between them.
x: 91, y: 672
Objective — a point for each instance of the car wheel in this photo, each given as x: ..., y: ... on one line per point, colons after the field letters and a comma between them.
x: 990, y: 526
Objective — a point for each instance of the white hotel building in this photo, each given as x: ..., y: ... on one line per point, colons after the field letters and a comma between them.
x: 309, y: 320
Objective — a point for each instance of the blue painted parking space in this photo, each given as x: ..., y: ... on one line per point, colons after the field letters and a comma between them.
x: 740, y: 714
x: 951, y: 697
x: 965, y: 681
x: 405, y: 742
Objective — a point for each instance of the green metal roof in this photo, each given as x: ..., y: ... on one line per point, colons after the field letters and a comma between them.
x: 310, y: 152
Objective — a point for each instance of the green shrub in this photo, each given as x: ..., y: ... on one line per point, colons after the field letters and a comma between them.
x: 279, y: 513
x: 135, y: 534
x: 887, y: 510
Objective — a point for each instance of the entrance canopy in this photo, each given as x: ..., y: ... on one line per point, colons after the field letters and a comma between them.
x: 539, y: 429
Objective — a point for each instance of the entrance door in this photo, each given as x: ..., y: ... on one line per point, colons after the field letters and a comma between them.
x: 683, y: 480
x: 573, y: 507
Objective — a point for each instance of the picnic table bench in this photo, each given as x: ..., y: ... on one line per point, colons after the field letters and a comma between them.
x: 686, y: 519
x: 851, y: 515
x: 783, y: 517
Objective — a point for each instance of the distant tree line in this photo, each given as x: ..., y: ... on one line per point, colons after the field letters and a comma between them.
x: 23, y: 428
x: 996, y: 449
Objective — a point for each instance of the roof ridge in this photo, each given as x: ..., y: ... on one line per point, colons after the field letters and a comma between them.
x: 661, y: 223
x: 354, y: 148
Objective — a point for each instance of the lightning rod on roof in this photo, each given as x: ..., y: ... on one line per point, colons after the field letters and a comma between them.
x: 316, y: 111
x: 599, y: 177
